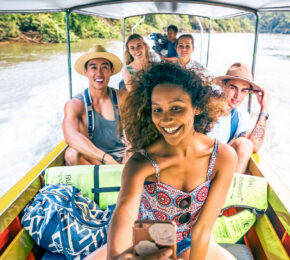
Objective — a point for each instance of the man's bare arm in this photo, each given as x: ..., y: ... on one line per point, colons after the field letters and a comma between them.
x: 258, y: 134
x: 169, y: 59
x: 74, y: 135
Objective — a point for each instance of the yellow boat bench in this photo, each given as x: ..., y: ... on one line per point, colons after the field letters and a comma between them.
x: 267, y: 239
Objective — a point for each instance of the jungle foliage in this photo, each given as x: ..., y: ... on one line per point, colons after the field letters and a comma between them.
x: 52, y: 27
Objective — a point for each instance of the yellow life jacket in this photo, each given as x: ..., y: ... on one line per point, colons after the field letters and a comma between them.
x: 248, y: 192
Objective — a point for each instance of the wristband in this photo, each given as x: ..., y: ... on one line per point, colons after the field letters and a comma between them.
x: 266, y: 115
x: 103, y: 157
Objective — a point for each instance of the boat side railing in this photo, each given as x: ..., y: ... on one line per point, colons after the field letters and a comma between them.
x: 24, y: 190
x: 273, y: 228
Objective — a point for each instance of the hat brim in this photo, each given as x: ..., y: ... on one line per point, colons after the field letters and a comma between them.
x: 81, y: 61
x: 218, y: 80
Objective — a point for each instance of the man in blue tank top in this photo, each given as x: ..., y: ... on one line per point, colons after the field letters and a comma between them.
x: 90, y: 124
x: 236, y: 128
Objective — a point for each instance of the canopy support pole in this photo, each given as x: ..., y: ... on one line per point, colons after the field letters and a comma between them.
x: 124, y: 36
x: 201, y: 34
x: 140, y: 21
x: 67, y: 13
x: 254, y: 56
x: 208, y: 43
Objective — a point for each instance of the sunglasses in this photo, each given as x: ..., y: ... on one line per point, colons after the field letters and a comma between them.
x: 184, y: 204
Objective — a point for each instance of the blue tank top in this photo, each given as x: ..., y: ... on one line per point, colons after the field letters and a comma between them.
x: 105, y: 134
x: 171, y: 47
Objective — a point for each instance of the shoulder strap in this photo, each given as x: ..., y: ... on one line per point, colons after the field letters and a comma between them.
x: 117, y: 112
x: 114, y: 97
x: 212, y: 160
x: 89, y: 112
x: 154, y: 164
x: 234, y: 123
x: 115, y: 102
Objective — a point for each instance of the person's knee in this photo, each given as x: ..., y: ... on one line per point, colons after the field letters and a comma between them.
x: 243, y: 146
x: 215, y: 251
x: 71, y: 156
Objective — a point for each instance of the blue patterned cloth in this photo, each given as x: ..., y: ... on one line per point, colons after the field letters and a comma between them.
x: 61, y: 220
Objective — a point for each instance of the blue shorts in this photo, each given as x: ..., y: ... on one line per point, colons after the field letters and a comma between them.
x: 183, y: 245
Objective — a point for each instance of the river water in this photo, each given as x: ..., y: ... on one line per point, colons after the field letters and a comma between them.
x: 34, y: 88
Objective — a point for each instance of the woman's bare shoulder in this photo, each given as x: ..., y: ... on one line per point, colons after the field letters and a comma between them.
x: 138, y: 165
x: 158, y: 149
x: 223, y: 151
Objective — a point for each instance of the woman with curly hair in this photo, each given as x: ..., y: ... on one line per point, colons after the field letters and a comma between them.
x: 136, y: 58
x: 176, y: 173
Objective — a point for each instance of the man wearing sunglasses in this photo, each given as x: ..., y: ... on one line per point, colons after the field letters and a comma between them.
x: 235, y: 128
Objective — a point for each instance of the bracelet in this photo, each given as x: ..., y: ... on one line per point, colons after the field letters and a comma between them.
x: 102, y: 161
x: 266, y: 115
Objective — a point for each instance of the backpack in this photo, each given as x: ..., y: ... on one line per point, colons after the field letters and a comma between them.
x: 61, y: 220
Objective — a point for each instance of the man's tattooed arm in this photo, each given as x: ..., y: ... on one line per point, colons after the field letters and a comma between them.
x: 258, y: 133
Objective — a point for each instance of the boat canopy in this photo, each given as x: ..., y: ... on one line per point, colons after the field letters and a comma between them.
x: 119, y: 9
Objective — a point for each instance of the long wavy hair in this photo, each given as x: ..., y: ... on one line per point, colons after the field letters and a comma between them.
x: 136, y: 108
x: 128, y: 57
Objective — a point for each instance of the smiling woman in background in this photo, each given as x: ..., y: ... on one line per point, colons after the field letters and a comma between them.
x: 185, y: 48
x: 136, y: 58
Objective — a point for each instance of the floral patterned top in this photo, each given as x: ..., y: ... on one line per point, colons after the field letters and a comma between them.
x: 160, y: 201
x: 200, y: 70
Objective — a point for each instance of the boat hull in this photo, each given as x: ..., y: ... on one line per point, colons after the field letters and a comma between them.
x: 267, y: 239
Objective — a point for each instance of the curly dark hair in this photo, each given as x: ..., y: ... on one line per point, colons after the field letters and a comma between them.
x: 136, y: 107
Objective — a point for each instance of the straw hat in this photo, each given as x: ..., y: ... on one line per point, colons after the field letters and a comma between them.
x: 98, y: 51
x: 239, y: 71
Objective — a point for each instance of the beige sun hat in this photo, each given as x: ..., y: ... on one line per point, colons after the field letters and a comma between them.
x: 239, y: 71
x: 98, y: 51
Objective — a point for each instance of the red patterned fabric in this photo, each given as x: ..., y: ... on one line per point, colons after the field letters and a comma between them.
x: 159, y: 201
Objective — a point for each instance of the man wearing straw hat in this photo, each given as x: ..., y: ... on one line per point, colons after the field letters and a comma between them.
x: 235, y: 127
x: 91, y: 118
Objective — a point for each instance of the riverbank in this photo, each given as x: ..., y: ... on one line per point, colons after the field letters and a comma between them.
x: 51, y: 28
x: 25, y: 37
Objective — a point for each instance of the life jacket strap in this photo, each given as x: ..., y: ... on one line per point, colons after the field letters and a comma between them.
x: 89, y: 112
